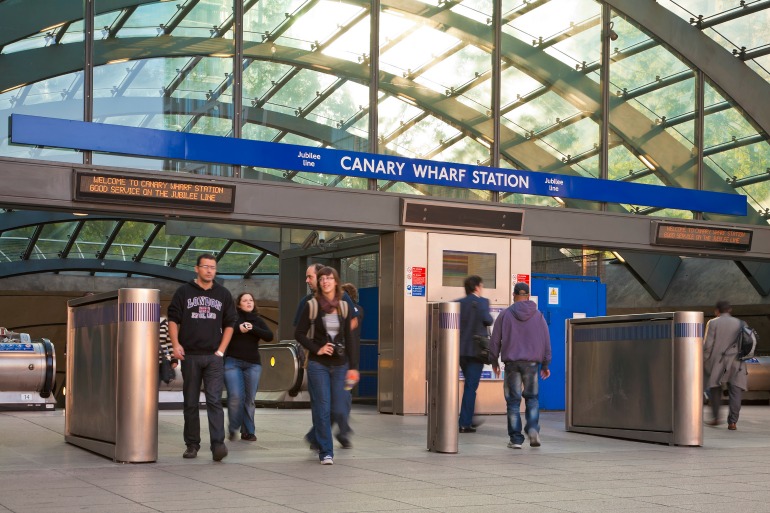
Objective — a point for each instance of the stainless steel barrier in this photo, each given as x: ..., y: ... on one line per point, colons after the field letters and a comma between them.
x: 283, y: 382
x: 112, y: 374
x: 637, y: 376
x: 27, y: 372
x: 758, y: 382
x: 443, y: 367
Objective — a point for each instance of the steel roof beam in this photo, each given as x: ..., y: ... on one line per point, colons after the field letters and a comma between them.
x: 110, y: 239
x: 32, y: 242
x: 92, y: 265
x: 743, y: 9
x: 183, y: 248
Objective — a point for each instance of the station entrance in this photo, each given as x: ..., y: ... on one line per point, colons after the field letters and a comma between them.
x: 417, y: 249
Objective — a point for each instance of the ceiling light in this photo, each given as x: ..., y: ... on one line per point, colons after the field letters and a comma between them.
x: 52, y: 27
x: 647, y: 161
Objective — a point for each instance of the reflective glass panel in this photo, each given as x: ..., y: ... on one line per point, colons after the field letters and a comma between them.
x: 436, y: 87
x: 652, y: 99
x: 178, y: 84
x: 42, y: 74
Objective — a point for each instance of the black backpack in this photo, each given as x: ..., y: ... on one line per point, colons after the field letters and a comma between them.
x: 746, y: 341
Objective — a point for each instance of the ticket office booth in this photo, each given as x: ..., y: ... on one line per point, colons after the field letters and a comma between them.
x: 430, y: 267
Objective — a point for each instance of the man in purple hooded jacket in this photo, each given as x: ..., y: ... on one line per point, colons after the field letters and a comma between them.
x: 520, y: 336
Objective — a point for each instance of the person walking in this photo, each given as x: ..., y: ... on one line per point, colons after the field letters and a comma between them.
x: 520, y: 335
x: 165, y: 349
x: 345, y: 433
x: 474, y: 319
x: 243, y: 367
x: 721, y: 365
x: 201, y: 316
x: 311, y: 280
x: 333, y: 359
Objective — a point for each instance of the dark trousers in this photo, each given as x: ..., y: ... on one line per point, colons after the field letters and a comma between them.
x: 472, y: 369
x: 209, y: 370
x: 734, y: 394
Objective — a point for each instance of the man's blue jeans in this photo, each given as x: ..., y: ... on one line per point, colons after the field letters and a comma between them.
x: 328, y: 401
x: 242, y: 381
x: 471, y: 368
x: 208, y: 369
x: 520, y: 375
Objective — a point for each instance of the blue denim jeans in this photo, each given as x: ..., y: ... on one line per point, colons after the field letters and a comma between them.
x: 328, y: 401
x: 208, y: 369
x: 241, y: 381
x: 471, y: 368
x: 520, y: 375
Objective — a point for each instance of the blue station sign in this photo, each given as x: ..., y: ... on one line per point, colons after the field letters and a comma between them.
x: 145, y: 142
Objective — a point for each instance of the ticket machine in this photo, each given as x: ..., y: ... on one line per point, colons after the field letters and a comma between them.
x: 430, y: 267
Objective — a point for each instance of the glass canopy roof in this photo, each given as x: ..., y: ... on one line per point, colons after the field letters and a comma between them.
x: 300, y: 71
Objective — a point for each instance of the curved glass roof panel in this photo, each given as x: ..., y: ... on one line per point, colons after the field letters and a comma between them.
x: 130, y: 239
x: 53, y: 240
x: 13, y: 243
x: 261, y: 19
x: 317, y: 24
x: 415, y: 48
x: 148, y: 19
x: 352, y: 44
x: 306, y: 81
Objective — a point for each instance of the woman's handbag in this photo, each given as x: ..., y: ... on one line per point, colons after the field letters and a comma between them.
x: 167, y: 373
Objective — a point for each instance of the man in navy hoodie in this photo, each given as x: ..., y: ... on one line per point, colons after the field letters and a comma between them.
x: 520, y: 335
x: 201, y: 317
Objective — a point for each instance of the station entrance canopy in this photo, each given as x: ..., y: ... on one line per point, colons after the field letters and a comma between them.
x: 147, y: 142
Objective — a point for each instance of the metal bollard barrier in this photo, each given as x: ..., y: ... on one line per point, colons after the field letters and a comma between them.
x: 443, y: 382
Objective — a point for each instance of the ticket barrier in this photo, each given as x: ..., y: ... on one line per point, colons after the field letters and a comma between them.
x: 758, y: 381
x: 27, y: 372
x: 283, y: 383
x: 112, y: 374
x: 638, y: 377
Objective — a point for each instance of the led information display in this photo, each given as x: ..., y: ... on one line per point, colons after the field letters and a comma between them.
x: 706, y: 237
x: 154, y: 191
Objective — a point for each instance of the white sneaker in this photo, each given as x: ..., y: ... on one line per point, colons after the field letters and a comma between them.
x: 534, y: 438
x: 512, y: 445
x: 327, y: 461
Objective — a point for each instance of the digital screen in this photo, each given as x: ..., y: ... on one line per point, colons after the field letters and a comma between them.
x: 458, y: 265
x: 694, y: 236
x: 154, y: 191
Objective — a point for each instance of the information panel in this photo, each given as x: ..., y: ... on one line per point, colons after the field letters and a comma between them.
x: 153, y: 191
x: 696, y: 236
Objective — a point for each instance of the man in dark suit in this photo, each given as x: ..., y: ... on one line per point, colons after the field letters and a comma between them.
x: 474, y: 319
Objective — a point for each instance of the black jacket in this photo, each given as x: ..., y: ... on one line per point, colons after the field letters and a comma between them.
x: 245, y: 346
x: 344, y: 337
x: 202, y: 315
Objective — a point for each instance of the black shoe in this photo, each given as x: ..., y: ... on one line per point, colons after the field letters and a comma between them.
x: 248, y: 437
x: 190, y: 452
x: 313, y: 446
x: 344, y: 442
x: 219, y: 452
x: 468, y: 429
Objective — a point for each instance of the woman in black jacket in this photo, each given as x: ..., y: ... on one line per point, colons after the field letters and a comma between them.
x: 332, y: 358
x: 243, y: 367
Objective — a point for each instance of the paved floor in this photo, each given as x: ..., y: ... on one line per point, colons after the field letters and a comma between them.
x: 389, y: 469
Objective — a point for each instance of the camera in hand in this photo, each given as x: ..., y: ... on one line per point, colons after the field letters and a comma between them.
x: 339, y: 349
